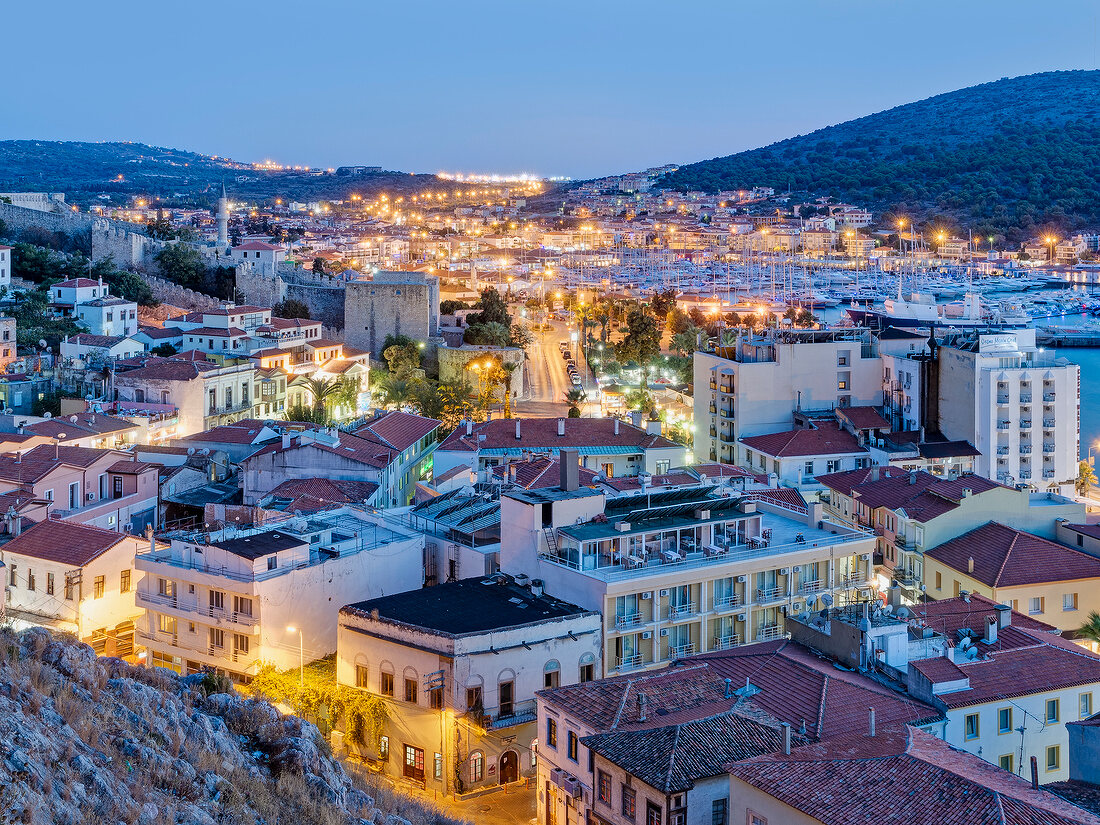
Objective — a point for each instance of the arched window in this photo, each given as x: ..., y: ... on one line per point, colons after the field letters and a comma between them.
x: 588, y: 667
x: 551, y: 674
x: 477, y: 766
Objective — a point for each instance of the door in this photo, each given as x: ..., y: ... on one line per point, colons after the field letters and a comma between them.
x: 509, y: 767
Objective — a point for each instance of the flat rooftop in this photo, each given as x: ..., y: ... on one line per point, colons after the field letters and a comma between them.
x: 467, y: 606
x: 259, y: 545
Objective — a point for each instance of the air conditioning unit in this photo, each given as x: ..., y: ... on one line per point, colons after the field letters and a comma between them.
x: 647, y: 634
x: 866, y: 557
x: 557, y: 776
x: 742, y: 617
x: 702, y: 514
x: 785, y: 571
x: 742, y: 579
x: 664, y: 594
x: 647, y: 595
x: 90, y: 496
x: 664, y: 632
x: 573, y: 786
x: 622, y: 526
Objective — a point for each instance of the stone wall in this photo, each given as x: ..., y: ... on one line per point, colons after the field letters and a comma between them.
x: 326, y: 303
x: 259, y: 289
x: 398, y: 303
x: 169, y: 293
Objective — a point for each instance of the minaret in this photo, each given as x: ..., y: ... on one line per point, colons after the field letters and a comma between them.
x: 223, y: 220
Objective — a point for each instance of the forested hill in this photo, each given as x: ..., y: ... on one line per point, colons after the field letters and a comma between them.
x: 1005, y: 155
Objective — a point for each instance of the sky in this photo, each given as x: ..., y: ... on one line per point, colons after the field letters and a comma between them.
x: 556, y: 87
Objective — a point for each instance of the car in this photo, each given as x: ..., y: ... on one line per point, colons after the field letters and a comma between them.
x: 563, y: 345
x: 576, y: 379
x: 566, y: 356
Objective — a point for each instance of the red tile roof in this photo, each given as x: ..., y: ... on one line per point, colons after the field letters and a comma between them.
x: 245, y: 431
x: 1004, y: 557
x: 258, y: 246
x: 311, y: 495
x: 74, y: 283
x: 863, y: 418
x: 783, y: 496
x: 399, y: 430
x: 541, y: 434
x: 167, y: 369
x: 130, y: 467
x: 656, y: 482
x: 86, y: 424
x: 538, y: 472
x: 1090, y: 530
x: 902, y: 775
x: 64, y: 542
x: 823, y: 439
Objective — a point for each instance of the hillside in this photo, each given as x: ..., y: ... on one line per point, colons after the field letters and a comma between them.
x: 85, y: 170
x: 1004, y: 155
x: 87, y: 740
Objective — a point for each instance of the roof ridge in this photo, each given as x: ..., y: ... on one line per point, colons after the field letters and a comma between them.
x: 622, y: 705
x: 821, y: 707
x: 672, y: 756
x: 1008, y: 555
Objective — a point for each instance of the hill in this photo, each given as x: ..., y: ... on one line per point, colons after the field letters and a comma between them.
x: 1006, y: 155
x: 87, y: 739
x: 86, y: 170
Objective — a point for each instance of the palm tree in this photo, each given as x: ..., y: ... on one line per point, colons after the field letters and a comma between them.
x: 505, y: 374
x: 1090, y: 630
x: 574, y: 398
x: 322, y: 389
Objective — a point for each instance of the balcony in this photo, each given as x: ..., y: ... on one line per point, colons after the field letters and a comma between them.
x: 226, y: 409
x: 766, y: 632
x: 726, y: 642
x: 726, y: 413
x: 1048, y: 473
x: 681, y: 651
x: 1025, y: 424
x: 1004, y: 425
x: 1048, y: 423
x: 1048, y: 397
x: 520, y: 713
x: 901, y: 541
x: 1002, y: 400
x: 906, y: 578
x: 628, y: 662
x: 1048, y: 448
x: 727, y: 602
x: 1002, y: 451
x: 811, y: 586
x: 681, y: 611
x: 628, y: 620
x: 1025, y: 398
x: 1025, y: 449
x: 852, y: 580
x: 770, y: 594
x: 1025, y: 475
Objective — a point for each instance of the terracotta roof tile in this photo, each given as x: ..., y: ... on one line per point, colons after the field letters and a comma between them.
x: 823, y: 439
x: 64, y: 542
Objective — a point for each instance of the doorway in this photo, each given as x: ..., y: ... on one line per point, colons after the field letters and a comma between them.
x: 509, y: 767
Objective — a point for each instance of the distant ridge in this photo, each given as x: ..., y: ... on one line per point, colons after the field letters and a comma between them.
x: 1006, y: 155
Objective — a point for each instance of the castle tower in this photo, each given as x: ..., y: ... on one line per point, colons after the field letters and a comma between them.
x: 223, y: 220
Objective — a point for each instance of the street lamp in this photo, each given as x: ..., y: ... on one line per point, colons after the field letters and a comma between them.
x: 301, y: 656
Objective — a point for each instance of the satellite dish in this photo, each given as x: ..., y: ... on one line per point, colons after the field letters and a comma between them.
x: 827, y: 599
x: 903, y: 612
x: 47, y: 415
x: 887, y: 609
x: 190, y: 450
x: 42, y: 343
x: 965, y: 643
x: 72, y: 419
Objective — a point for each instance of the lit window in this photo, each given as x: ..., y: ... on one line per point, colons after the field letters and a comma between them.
x: 360, y: 676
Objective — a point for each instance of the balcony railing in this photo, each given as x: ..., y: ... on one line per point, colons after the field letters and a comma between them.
x: 769, y: 594
x: 518, y: 714
x: 1048, y: 473
x: 680, y: 611
x: 811, y: 586
x: 727, y: 641
x: 765, y: 632
x: 1025, y: 398
x: 1002, y: 451
x: 1003, y: 425
x: 1048, y: 396
x: 628, y: 620
x: 852, y: 580
x: 1048, y: 448
x: 1025, y: 424
x: 680, y: 651
x: 727, y: 602
x: 628, y: 662
x: 1025, y: 449
x: 1048, y: 423
x: 1002, y: 400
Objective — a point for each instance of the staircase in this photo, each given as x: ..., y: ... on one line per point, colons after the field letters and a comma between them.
x: 551, y: 539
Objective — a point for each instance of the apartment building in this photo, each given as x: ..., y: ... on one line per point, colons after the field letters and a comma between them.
x: 1048, y: 581
x: 228, y: 599
x: 755, y: 386
x: 74, y: 578
x: 679, y: 572
x: 458, y: 666
x: 795, y: 457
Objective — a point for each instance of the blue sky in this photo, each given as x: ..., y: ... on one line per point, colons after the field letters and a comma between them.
x: 557, y: 88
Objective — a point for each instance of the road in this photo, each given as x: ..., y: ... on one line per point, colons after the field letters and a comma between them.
x: 546, y: 373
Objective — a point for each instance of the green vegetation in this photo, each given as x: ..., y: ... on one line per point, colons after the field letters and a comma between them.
x: 1008, y: 156
x: 290, y: 308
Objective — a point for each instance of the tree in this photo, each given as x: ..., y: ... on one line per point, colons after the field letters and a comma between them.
x: 128, y: 285
x: 183, y: 265
x: 394, y: 392
x: 677, y: 321
x: 520, y: 336
x: 322, y: 390
x: 318, y: 266
x: 574, y: 398
x: 685, y: 342
x: 450, y: 307
x: 290, y: 308
x: 163, y: 350
x: 402, y: 359
x: 1090, y: 630
x: 642, y: 342
x: 492, y: 309
x: 501, y: 376
x: 1086, y: 478
x: 161, y: 228
x: 663, y: 302
x: 491, y: 334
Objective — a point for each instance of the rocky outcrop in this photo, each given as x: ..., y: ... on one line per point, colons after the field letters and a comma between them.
x: 87, y: 739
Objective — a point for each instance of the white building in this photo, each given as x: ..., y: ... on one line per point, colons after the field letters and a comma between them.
x: 755, y: 386
x: 73, y: 578
x: 458, y: 666
x: 5, y: 266
x: 226, y: 600
x: 107, y: 316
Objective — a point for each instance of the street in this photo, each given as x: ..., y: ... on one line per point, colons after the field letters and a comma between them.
x: 549, y: 381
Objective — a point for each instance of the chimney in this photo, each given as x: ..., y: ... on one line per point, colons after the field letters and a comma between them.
x: 561, y: 426
x: 786, y: 737
x: 970, y: 565
x: 967, y: 492
x: 950, y: 653
x: 729, y: 689
x: 285, y: 441
x: 641, y: 707
x: 1034, y: 773
x: 469, y: 427
x: 536, y: 588
x: 149, y: 535
x: 1004, y: 615
x: 616, y: 425
x: 871, y: 714
x: 512, y: 473
x: 912, y: 476
x: 991, y: 630
x: 875, y: 473
x: 517, y: 430
x: 569, y: 464
x: 636, y: 418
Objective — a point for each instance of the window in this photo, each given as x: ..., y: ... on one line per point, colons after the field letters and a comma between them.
x: 124, y: 581
x: 1084, y: 706
x: 552, y: 733
x: 477, y: 766
x: 1052, y: 711
x: 435, y: 698
x: 166, y: 624
x: 719, y: 811
x: 652, y: 814
x: 971, y: 726
x: 1054, y: 757
x: 832, y: 466
x: 240, y: 644
x: 756, y: 819
x: 662, y: 466
x: 217, y: 601
x: 939, y: 581
x: 507, y: 698
x: 437, y: 767
x: 1035, y: 605
x: 414, y: 763
x: 571, y: 745
x: 384, y: 748
x: 603, y: 787
x: 1069, y: 601
x: 588, y: 671
x: 30, y: 579
x: 74, y: 495
x: 551, y: 674
x: 361, y: 676
x: 49, y: 584
x: 99, y: 583
x: 68, y: 587
x: 474, y: 702
x: 1004, y: 720
x: 411, y: 690
x: 272, y: 562
x: 14, y: 580
x: 1007, y: 762
x: 217, y: 638
x: 808, y: 468
x: 242, y: 605
x: 629, y: 803
x: 387, y: 684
